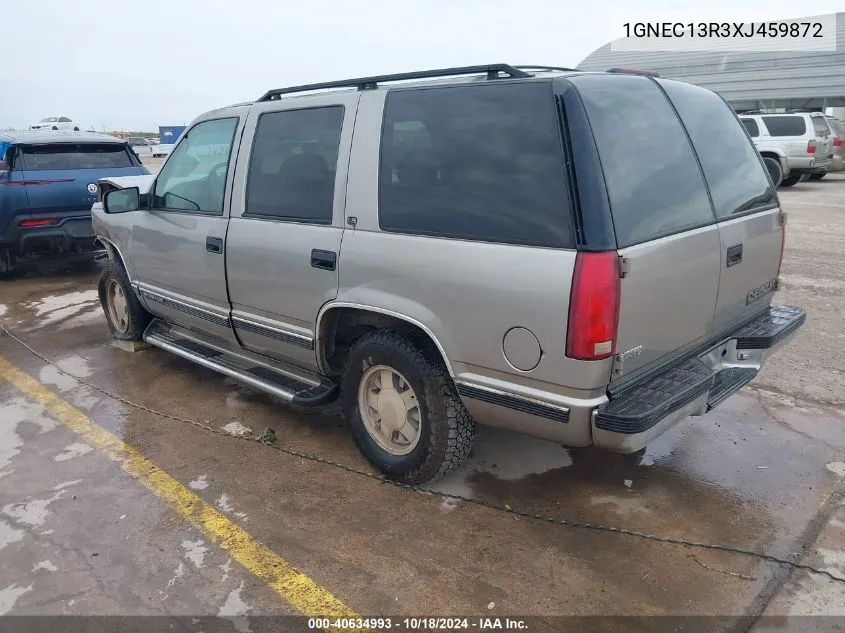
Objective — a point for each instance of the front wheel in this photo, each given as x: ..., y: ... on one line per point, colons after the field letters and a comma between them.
x: 125, y: 315
x: 790, y: 180
x: 774, y: 169
x: 403, y: 409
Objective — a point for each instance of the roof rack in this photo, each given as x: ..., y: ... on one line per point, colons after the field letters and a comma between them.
x: 533, y: 67
x: 633, y: 71
x: 493, y: 71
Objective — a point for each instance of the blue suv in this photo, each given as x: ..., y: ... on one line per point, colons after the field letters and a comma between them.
x: 48, y: 182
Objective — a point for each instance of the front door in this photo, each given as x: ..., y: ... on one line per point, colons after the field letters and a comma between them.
x: 283, y: 246
x: 177, y: 245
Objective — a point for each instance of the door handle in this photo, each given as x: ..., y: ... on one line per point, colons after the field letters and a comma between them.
x: 324, y: 260
x: 734, y: 255
x: 214, y: 245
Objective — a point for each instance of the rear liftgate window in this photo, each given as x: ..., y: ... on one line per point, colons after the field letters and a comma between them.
x: 75, y: 156
x: 476, y: 163
x: 735, y: 176
x: 653, y: 179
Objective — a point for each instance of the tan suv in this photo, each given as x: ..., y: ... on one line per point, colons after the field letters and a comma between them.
x: 465, y: 245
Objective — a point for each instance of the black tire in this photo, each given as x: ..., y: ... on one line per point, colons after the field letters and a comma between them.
x: 447, y: 431
x: 55, y: 128
x: 138, y: 317
x: 818, y: 176
x: 790, y: 180
x: 774, y: 169
x: 7, y: 263
x: 76, y: 129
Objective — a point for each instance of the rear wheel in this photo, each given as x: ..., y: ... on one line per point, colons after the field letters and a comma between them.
x: 402, y: 408
x: 790, y: 180
x: 7, y: 262
x: 818, y: 176
x: 126, y: 317
x: 775, y: 170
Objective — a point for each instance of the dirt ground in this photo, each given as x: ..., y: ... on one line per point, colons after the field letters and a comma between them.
x: 108, y: 507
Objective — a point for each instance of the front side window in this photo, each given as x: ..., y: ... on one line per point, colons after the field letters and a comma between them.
x: 194, y: 177
x: 293, y: 165
x: 475, y: 162
x: 50, y: 156
x: 785, y: 125
x: 64, y: 119
x: 735, y: 176
x: 653, y: 180
x: 751, y: 126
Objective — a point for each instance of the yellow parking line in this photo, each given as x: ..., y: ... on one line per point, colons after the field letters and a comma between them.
x: 292, y: 585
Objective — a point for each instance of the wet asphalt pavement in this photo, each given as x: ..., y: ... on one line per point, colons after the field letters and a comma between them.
x: 83, y: 533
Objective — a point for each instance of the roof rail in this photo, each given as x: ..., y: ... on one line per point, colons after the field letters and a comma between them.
x: 633, y: 71
x: 370, y: 83
x: 533, y: 67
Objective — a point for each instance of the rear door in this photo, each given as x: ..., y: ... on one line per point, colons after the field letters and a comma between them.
x: 283, y: 242
x: 664, y: 224
x: 744, y: 201
x: 791, y: 133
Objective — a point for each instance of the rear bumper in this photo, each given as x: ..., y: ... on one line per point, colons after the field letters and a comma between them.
x: 810, y: 164
x: 838, y: 163
x: 71, y: 232
x: 626, y: 421
x: 635, y: 416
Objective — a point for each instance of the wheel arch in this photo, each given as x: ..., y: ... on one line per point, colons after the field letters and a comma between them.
x: 335, y: 318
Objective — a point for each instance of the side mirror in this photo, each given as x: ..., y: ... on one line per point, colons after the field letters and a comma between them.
x: 122, y: 200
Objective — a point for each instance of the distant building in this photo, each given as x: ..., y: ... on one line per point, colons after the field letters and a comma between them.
x: 748, y: 80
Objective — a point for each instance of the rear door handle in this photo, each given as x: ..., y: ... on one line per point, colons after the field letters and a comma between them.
x: 214, y: 245
x: 734, y: 255
x: 324, y: 260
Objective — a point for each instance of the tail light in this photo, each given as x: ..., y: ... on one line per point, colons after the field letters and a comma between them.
x: 45, y: 222
x: 782, y: 239
x: 594, y: 306
x: 811, y: 147
x: 838, y: 141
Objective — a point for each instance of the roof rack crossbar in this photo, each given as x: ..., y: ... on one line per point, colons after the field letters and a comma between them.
x: 493, y: 71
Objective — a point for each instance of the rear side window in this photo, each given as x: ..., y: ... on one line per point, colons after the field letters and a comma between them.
x: 785, y: 125
x: 735, y: 176
x: 75, y: 156
x: 820, y: 126
x: 293, y: 164
x: 751, y: 126
x: 653, y: 179
x: 475, y: 162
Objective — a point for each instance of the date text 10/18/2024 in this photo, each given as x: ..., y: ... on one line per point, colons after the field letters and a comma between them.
x: 418, y: 624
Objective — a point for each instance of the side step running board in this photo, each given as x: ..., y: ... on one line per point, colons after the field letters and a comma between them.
x: 288, y: 383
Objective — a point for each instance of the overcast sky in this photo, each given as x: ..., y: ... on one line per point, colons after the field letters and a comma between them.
x: 138, y: 64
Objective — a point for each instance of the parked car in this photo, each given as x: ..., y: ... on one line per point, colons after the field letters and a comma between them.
x: 48, y: 182
x: 477, y: 248
x: 55, y: 123
x: 837, y: 130
x: 140, y: 145
x: 801, y: 139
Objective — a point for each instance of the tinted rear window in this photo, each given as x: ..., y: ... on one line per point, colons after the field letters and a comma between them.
x: 785, y: 125
x: 751, y: 126
x: 820, y: 126
x: 653, y: 179
x: 475, y: 162
x: 735, y: 176
x: 75, y: 156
